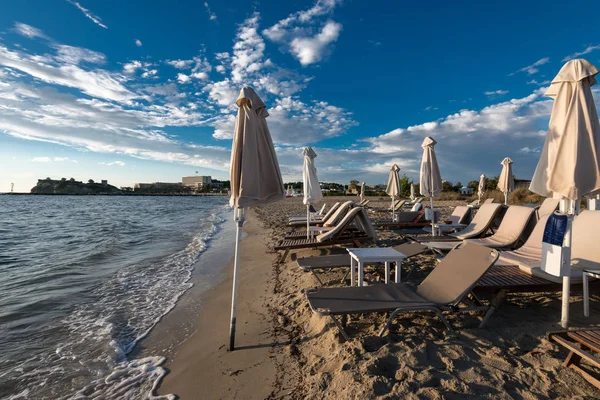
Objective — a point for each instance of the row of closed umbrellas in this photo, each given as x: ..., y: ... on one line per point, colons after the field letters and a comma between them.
x: 569, y: 166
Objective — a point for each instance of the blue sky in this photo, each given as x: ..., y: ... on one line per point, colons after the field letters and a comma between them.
x: 137, y: 91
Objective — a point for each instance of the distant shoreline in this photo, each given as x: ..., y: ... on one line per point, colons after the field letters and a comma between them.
x: 117, y: 194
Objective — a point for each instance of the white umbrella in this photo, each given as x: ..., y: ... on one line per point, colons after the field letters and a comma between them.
x: 362, y: 192
x: 254, y: 174
x: 412, y: 193
x: 430, y: 179
x: 312, y: 189
x: 481, y: 188
x: 393, y: 187
x: 506, y: 182
x: 569, y: 166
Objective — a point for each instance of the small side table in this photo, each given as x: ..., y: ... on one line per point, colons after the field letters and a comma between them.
x: 362, y: 256
x: 586, y: 289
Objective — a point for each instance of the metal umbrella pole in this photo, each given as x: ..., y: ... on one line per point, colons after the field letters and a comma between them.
x: 240, y: 217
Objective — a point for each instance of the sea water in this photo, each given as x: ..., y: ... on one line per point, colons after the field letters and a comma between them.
x: 83, y: 279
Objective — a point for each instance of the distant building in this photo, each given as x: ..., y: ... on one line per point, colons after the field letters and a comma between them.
x: 465, y: 190
x: 197, y: 182
x: 104, y: 182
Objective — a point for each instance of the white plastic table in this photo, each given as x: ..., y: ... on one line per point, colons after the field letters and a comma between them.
x: 586, y: 289
x: 362, y: 256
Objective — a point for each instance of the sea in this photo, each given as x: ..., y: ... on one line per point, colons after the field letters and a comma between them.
x: 83, y: 279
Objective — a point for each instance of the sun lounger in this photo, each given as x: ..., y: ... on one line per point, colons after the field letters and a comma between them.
x: 444, y: 289
x: 331, y: 220
x: 478, y: 227
x: 548, y: 206
x: 418, y: 200
x: 504, y: 279
x: 364, y: 203
x: 398, y: 205
x: 511, y: 229
x: 313, y: 264
x: 530, y: 254
x: 302, y: 218
x: 489, y: 201
x: 404, y: 219
x: 459, y: 219
x: 583, y: 345
x: 336, y: 236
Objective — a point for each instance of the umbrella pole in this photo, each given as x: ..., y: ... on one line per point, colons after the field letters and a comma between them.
x: 564, y: 319
x: 307, y: 221
x: 239, y: 214
x: 393, y: 210
x: 432, y: 218
x: 506, y: 198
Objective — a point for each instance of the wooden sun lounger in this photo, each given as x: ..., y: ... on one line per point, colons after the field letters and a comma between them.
x: 408, y: 219
x: 583, y: 345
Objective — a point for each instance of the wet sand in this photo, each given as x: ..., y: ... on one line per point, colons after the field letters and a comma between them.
x: 287, y: 352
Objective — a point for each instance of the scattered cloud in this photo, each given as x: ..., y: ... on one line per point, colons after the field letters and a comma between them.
x: 52, y: 159
x: 300, y: 32
x: 29, y: 31
x: 309, y: 50
x: 495, y: 93
x: 375, y: 42
x: 95, y: 19
x: 529, y: 150
x: 211, y: 15
x: 183, y: 78
x: 587, y: 50
x: 117, y: 163
x: 532, y: 69
x: 428, y: 108
x: 138, y: 42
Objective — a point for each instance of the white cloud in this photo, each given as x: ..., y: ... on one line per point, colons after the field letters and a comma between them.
x: 309, y: 50
x: 220, y: 68
x: 300, y: 34
x: 95, y: 19
x: 180, y: 64
x: 29, y: 31
x: 200, y: 75
x: 138, y: 42
x: 494, y: 93
x: 211, y: 15
x: 117, y: 163
x: 183, y: 78
x: 247, y: 50
x: 75, y: 55
x: 52, y: 159
x: 587, y: 50
x: 528, y: 150
x: 531, y: 69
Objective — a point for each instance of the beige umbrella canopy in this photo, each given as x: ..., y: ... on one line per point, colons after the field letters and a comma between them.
x: 430, y: 179
x: 254, y: 174
x: 481, y: 187
x: 506, y: 182
x: 393, y: 186
x: 569, y: 166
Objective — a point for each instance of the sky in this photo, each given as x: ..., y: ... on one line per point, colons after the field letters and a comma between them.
x: 144, y: 91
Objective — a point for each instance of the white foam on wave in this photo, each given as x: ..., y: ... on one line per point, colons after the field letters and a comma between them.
x: 100, y: 335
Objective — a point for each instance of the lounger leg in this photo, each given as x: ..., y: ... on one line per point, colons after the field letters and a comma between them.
x: 495, y: 304
x: 387, y: 272
x: 340, y: 328
x: 317, y: 277
x: 586, y: 295
x: 345, y: 276
x: 352, y: 263
x: 360, y: 273
x: 572, y: 358
x: 398, y: 271
x: 285, y: 254
x: 444, y: 320
x: 388, y: 322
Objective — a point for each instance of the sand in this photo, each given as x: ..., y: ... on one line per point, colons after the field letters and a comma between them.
x: 287, y: 352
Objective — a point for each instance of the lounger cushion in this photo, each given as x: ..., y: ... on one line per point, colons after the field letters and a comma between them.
x: 511, y: 229
x: 480, y: 223
x: 354, y: 300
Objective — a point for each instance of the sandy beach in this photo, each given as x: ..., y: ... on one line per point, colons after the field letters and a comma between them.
x: 284, y: 351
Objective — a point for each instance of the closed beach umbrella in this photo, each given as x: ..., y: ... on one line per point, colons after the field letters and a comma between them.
x: 569, y: 165
x: 430, y: 179
x: 312, y: 189
x: 412, y: 192
x: 506, y: 182
x: 393, y: 187
x: 481, y: 188
x: 362, y: 192
x: 254, y: 173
